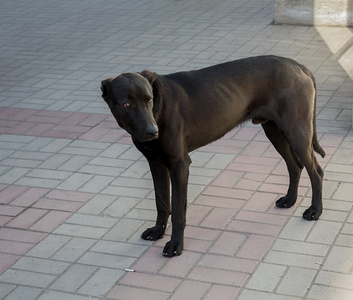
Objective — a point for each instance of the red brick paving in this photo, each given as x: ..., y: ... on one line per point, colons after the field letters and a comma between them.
x: 27, y: 215
x: 58, y: 124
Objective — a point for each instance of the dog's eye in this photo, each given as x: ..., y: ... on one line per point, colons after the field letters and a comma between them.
x: 127, y: 104
x: 150, y: 101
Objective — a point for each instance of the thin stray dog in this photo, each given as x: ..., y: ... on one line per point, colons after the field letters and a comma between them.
x: 169, y: 116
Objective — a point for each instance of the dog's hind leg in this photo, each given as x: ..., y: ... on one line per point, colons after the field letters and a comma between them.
x: 301, y: 142
x: 305, y: 152
x: 294, y: 166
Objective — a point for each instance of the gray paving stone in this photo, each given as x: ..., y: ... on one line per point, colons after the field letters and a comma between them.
x: 30, y: 155
x: 293, y: 259
x: 75, y: 181
x: 142, y: 214
x: 137, y: 170
x: 19, y: 139
x: 37, y: 144
x: 297, y: 229
x: 118, y: 248
x: 49, y: 174
x: 131, y: 154
x: 334, y: 279
x: 121, y: 206
x: 27, y: 278
x: 80, y: 151
x: 21, y: 163
x: 5, y: 153
x: 88, y: 220
x: 339, y: 260
x: 212, y: 173
x: 125, y: 191
x: 55, y: 161
x: 89, y: 144
x: 73, y: 278
x: 296, y: 282
x: 97, y: 204
x: 111, y: 162
x: 320, y: 292
x: 6, y: 288
x: 106, y: 260
x: 324, y: 232
x: 101, y: 170
x: 24, y: 293
x: 40, y: 265
x: 80, y: 231
x: 75, y: 248
x: 101, y: 282
x: 74, y: 163
x: 48, y: 246
x: 220, y: 161
x: 194, y: 190
x: 266, y: 278
x: 255, y: 295
x: 12, y: 175
x: 38, y: 182
x: 56, y: 145
x: 123, y: 230
x: 4, y: 169
x: 301, y: 247
x: 54, y: 295
x: 134, y: 182
x: 96, y: 184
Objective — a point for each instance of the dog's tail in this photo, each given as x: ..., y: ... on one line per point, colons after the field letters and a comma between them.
x: 316, y: 144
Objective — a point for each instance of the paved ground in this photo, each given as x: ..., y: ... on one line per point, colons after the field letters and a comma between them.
x: 75, y: 194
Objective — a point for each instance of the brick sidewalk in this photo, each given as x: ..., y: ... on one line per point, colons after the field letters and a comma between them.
x: 75, y: 194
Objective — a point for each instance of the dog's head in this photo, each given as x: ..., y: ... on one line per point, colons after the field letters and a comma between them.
x: 130, y: 99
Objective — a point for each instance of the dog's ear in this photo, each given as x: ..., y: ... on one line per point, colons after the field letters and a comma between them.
x: 104, y: 87
x: 150, y: 76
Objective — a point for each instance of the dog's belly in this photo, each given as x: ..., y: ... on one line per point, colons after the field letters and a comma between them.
x: 212, y: 126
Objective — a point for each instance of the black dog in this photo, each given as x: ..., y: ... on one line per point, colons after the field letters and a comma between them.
x: 168, y: 116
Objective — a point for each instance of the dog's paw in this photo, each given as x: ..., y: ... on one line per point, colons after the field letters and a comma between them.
x: 153, y: 233
x: 312, y: 214
x: 285, y: 202
x: 172, y: 249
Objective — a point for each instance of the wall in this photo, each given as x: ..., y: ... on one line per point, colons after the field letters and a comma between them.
x: 314, y: 12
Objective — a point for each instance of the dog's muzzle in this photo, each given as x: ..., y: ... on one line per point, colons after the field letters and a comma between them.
x: 151, y: 132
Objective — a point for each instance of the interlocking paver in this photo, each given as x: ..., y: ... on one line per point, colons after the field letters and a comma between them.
x: 218, y: 276
x: 190, y: 289
x: 75, y: 194
x: 266, y: 278
x: 228, y: 243
x: 27, y: 278
x: 41, y: 265
x: 256, y: 295
x: 150, y: 281
x: 22, y: 293
x: 222, y: 292
x: 101, y: 282
x: 73, y: 278
x: 181, y: 267
x: 120, y: 292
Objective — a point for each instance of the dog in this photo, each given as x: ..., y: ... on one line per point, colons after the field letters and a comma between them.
x: 169, y: 116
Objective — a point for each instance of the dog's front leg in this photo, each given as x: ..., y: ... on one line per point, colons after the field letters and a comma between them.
x: 161, y: 182
x: 179, y: 178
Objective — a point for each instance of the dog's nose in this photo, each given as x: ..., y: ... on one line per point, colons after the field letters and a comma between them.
x: 152, y: 130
